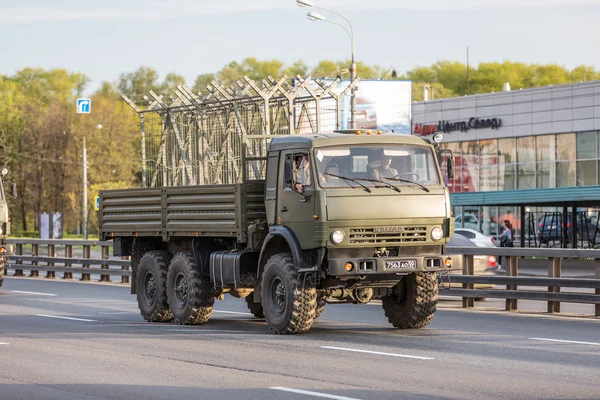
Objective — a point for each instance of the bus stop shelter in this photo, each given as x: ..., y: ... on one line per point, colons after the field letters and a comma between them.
x: 567, y: 199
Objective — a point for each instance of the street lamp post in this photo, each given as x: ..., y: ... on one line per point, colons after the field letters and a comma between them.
x: 318, y: 17
x: 84, y: 200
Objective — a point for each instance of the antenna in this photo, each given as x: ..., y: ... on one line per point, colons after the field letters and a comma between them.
x: 468, y: 80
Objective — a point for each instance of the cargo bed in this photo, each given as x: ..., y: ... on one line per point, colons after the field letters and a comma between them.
x: 210, y: 210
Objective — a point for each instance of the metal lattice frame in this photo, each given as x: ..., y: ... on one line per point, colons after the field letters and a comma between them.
x: 222, y: 137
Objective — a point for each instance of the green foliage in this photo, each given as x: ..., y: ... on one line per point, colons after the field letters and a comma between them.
x: 41, y: 135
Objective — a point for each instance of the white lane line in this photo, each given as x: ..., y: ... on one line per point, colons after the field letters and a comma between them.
x: 116, y: 312
x: 1, y: 343
x: 69, y: 318
x: 564, y: 341
x: 315, y: 394
x: 231, y: 312
x: 377, y: 352
x: 35, y: 293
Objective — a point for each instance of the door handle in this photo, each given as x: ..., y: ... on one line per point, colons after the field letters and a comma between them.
x: 284, y: 209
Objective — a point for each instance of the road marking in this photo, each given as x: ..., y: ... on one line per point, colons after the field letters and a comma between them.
x: 564, y: 341
x: 231, y: 312
x: 35, y: 293
x: 69, y: 318
x: 1, y: 343
x: 315, y: 394
x: 116, y: 312
x: 377, y: 352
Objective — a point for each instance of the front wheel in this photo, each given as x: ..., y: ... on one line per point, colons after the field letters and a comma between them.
x: 191, y: 295
x: 288, y: 303
x: 413, y: 301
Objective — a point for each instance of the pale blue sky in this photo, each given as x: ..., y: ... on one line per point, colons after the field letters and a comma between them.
x: 190, y: 37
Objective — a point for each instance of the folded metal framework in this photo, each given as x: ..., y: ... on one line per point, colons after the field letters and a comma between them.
x: 222, y: 136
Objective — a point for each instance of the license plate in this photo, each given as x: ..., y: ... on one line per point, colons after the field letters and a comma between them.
x: 401, y: 264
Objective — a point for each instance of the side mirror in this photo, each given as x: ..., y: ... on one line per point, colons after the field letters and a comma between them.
x: 450, y: 165
x: 13, y: 190
x: 288, y: 172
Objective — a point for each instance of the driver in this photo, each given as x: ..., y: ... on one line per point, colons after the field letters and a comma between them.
x: 303, y: 176
x: 384, y: 170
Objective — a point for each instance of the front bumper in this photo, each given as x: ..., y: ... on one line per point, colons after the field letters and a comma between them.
x: 380, y: 265
x: 6, y: 249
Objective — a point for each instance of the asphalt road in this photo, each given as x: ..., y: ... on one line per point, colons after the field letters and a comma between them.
x: 107, y: 351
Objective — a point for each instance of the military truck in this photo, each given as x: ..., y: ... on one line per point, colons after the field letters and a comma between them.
x: 5, y: 249
x: 342, y: 217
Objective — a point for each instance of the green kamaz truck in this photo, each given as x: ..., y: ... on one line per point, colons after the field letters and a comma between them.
x: 5, y: 249
x: 341, y: 217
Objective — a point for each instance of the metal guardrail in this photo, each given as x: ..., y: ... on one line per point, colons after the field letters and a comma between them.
x: 512, y: 280
x: 36, y: 262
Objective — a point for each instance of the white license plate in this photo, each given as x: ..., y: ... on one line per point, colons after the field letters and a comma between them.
x: 401, y: 264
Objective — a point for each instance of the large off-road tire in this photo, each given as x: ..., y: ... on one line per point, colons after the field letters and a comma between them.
x: 152, y: 286
x: 320, y: 306
x: 288, y: 302
x: 255, y: 308
x: 2, y: 270
x: 191, y: 295
x: 139, y: 247
x: 413, y: 301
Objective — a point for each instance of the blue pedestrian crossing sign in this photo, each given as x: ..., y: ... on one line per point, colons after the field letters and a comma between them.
x: 84, y: 106
x: 97, y: 203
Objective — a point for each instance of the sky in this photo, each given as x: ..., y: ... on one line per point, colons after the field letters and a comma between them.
x: 103, y: 39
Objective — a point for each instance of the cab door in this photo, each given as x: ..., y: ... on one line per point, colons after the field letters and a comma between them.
x: 296, y: 210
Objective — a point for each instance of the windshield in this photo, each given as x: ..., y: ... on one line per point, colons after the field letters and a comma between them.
x: 394, y: 164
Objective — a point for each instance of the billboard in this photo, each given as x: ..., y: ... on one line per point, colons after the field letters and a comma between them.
x: 383, y: 105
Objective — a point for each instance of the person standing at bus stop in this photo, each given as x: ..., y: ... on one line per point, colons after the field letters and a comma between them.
x: 506, y: 240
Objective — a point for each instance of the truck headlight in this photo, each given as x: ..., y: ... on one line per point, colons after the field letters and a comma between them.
x: 437, y: 233
x: 337, y: 236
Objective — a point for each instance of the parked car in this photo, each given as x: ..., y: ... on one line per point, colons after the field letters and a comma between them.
x: 478, y: 238
x: 471, y: 221
x: 483, y: 265
x: 550, y: 228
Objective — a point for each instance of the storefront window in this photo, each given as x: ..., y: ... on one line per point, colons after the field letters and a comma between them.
x: 545, y: 148
x: 526, y: 175
x: 546, y: 175
x: 586, y: 145
x: 565, y: 147
x: 507, y: 177
x: 586, y: 173
x: 488, y: 175
x: 565, y: 173
x: 526, y: 149
x: 507, y: 150
x: 471, y: 166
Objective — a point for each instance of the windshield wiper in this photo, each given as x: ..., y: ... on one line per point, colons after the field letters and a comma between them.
x: 346, y: 179
x: 387, y: 184
x: 409, y: 182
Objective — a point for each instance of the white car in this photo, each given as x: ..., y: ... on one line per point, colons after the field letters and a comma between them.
x: 478, y: 238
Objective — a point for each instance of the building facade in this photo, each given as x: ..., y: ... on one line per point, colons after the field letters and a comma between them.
x: 535, y: 139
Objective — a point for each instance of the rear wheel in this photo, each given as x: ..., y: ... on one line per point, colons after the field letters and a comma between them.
x: 289, y: 304
x: 2, y: 267
x: 413, y: 301
x: 255, y: 308
x: 191, y: 295
x: 152, y: 286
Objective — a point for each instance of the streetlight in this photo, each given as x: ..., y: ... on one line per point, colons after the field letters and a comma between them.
x: 84, y: 201
x: 318, y: 17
